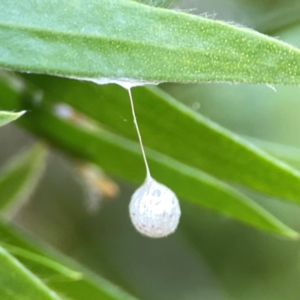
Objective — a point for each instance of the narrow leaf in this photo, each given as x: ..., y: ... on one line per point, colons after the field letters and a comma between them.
x: 104, y: 148
x: 164, y: 122
x: 17, y: 282
x: 289, y: 154
x: 89, y: 286
x: 190, y: 183
x: 125, y: 40
x: 7, y: 117
x: 42, y: 260
x: 19, y: 178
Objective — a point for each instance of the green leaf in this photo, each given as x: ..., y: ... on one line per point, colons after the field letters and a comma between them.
x: 7, y: 117
x: 44, y: 261
x: 164, y: 122
x: 187, y: 182
x: 17, y: 282
x: 125, y: 40
x: 289, y: 154
x: 104, y: 148
x: 19, y: 178
x: 47, y: 266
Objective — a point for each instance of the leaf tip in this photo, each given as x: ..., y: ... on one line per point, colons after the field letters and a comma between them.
x: 22, y: 112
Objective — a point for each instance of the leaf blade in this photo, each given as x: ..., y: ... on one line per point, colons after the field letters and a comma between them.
x: 17, y: 282
x: 42, y: 260
x: 201, y: 143
x: 19, y: 178
x: 103, y: 147
x: 142, y: 43
x: 89, y: 285
x: 7, y: 117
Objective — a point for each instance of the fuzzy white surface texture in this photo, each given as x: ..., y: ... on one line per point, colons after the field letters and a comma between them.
x: 154, y: 209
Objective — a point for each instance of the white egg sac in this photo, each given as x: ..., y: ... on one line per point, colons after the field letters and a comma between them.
x: 154, y: 209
